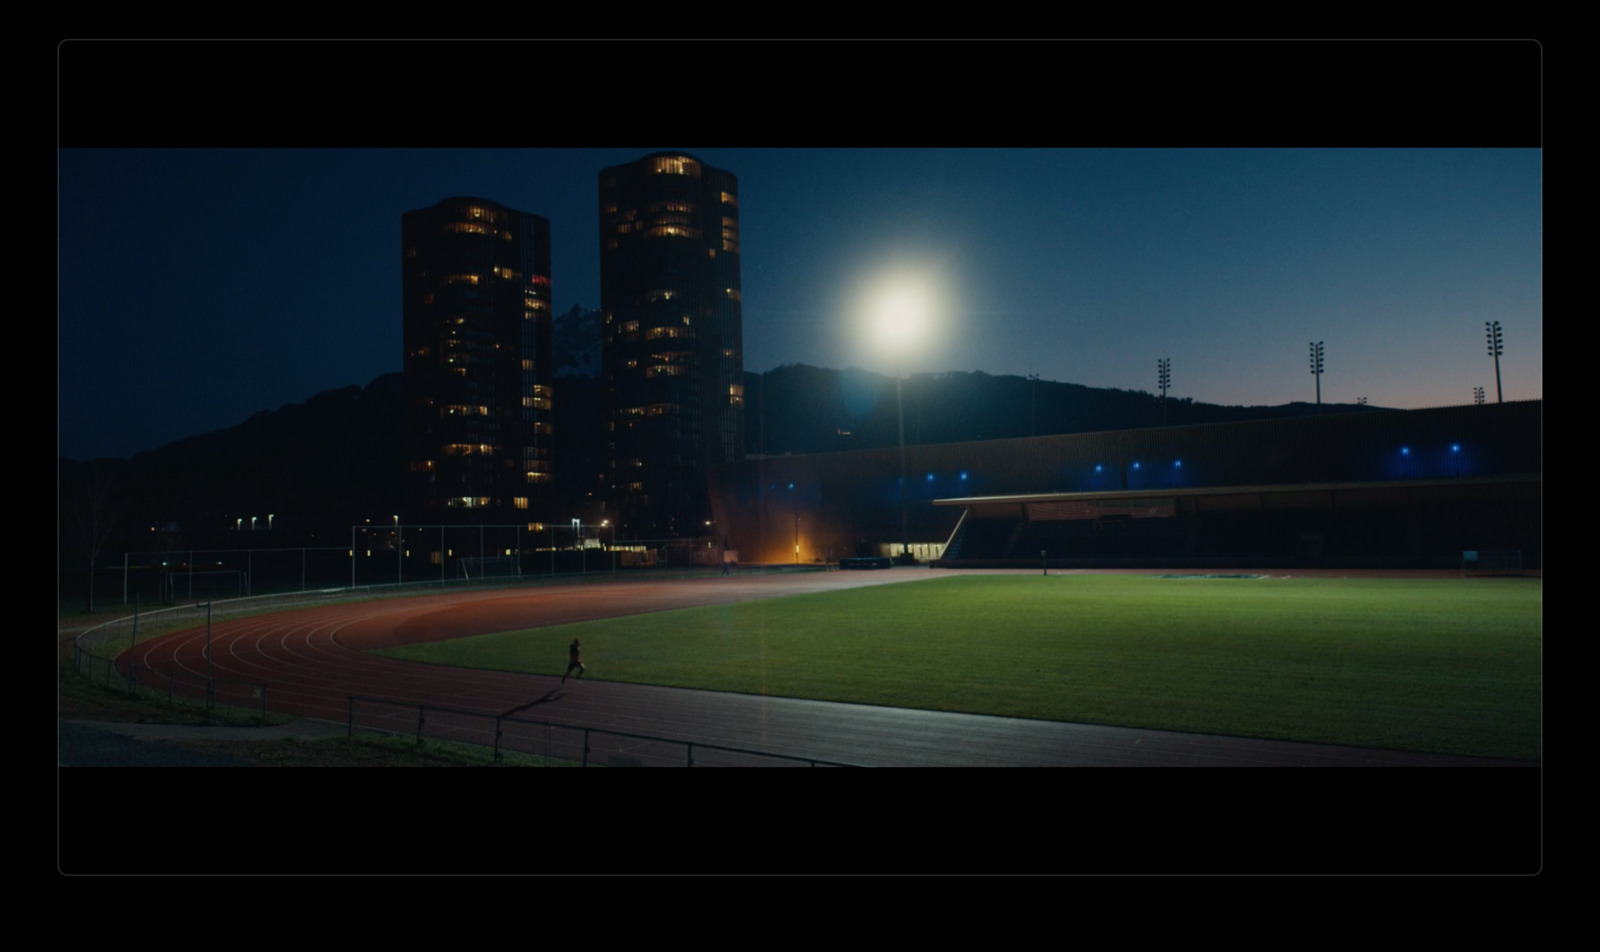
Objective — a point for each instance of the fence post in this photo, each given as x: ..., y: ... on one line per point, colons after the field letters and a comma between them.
x: 691, y: 755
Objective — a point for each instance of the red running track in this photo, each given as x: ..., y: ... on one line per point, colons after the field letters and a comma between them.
x: 314, y: 660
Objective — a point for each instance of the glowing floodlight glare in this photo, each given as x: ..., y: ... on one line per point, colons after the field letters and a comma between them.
x: 899, y: 314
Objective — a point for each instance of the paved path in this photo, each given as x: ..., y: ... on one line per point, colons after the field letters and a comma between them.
x: 314, y: 659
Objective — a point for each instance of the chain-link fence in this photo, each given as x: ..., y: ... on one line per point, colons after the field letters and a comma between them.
x: 498, y: 734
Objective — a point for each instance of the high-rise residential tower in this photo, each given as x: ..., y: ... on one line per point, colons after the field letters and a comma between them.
x: 672, y: 354
x: 477, y: 383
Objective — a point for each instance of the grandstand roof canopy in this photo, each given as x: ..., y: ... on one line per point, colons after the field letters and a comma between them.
x: 1389, y: 485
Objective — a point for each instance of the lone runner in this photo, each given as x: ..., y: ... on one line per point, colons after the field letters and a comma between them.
x: 574, y: 660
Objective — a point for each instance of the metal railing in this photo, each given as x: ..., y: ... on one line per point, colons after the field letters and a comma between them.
x: 147, y: 682
x: 103, y: 654
x: 585, y: 746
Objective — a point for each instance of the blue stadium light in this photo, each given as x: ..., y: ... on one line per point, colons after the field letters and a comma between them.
x: 1177, y: 464
x: 791, y: 485
x: 930, y: 477
x: 1405, y: 451
x: 1135, y: 464
x: 963, y: 476
x: 1455, y: 447
x: 1098, y: 467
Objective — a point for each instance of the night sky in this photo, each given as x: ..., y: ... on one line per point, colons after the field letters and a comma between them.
x: 208, y: 275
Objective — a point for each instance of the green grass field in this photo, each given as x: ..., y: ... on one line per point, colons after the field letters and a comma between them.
x: 1442, y: 665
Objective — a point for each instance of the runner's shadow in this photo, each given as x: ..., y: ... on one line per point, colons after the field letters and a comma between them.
x: 554, y: 694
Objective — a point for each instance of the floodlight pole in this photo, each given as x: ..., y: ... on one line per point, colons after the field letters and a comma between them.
x: 1496, y: 348
x: 1316, y: 369
x: 900, y: 413
x: 1164, y: 366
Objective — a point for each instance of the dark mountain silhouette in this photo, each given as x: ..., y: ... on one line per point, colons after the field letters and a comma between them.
x: 802, y: 409
x: 320, y: 466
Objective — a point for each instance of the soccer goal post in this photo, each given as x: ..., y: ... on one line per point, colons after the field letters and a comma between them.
x: 474, y: 568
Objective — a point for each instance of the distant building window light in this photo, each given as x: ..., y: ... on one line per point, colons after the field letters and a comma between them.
x: 729, y: 198
x: 675, y: 165
x: 673, y: 231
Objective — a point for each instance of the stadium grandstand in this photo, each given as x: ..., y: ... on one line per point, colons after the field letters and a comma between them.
x: 1379, y: 489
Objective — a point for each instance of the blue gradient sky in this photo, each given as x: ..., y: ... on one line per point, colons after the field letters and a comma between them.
x: 198, y: 286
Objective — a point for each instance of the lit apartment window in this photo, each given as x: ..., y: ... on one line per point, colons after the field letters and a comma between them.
x: 673, y: 231
x: 675, y: 165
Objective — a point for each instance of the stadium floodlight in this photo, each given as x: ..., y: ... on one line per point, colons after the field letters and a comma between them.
x: 1477, y: 396
x: 899, y: 312
x: 1164, y: 368
x: 1496, y: 348
x: 1316, y: 368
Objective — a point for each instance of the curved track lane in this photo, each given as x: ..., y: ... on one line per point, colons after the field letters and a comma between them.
x: 314, y: 660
